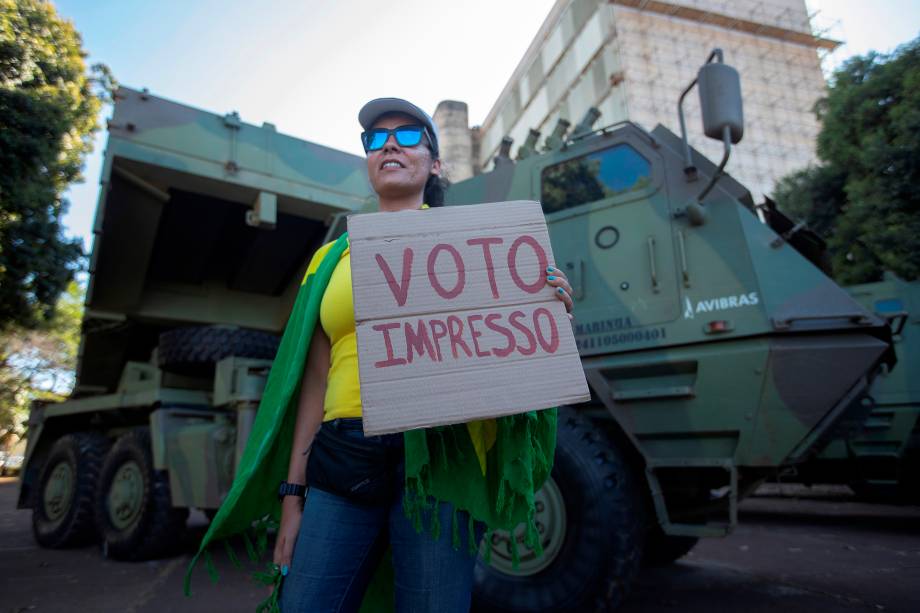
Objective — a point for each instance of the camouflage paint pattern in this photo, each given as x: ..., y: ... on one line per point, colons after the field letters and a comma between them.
x: 717, y: 349
x: 171, y: 244
x: 173, y: 248
x: 881, y: 452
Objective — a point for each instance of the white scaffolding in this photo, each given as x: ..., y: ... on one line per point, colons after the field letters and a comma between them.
x: 632, y: 58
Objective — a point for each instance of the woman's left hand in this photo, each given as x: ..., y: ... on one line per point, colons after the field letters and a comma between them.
x: 557, y: 279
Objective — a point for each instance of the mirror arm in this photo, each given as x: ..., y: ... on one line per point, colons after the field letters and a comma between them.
x: 689, y: 168
x: 716, y: 53
x: 727, y: 141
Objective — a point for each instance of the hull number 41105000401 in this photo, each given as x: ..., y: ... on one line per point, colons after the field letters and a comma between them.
x: 621, y: 338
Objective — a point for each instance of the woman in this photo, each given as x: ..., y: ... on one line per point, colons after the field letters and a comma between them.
x: 329, y: 546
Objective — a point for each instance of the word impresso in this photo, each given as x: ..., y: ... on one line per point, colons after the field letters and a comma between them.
x: 473, y: 336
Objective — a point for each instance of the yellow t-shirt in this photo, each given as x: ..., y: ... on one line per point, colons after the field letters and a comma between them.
x: 337, y: 317
x: 343, y: 388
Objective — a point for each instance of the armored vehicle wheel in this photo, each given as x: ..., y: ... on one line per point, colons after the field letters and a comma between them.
x: 62, y: 510
x: 662, y: 549
x: 197, y: 349
x: 590, y: 517
x: 134, y: 512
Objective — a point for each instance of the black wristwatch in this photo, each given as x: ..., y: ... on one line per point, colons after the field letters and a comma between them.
x: 291, y: 489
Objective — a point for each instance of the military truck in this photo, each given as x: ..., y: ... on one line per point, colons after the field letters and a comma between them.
x: 716, y: 353
x: 203, y: 230
x: 880, y: 460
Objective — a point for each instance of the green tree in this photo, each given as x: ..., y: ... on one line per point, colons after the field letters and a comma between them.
x: 40, y: 363
x: 49, y: 106
x: 862, y: 197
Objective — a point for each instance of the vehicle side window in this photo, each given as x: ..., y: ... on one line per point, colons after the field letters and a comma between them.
x: 598, y: 175
x: 892, y: 305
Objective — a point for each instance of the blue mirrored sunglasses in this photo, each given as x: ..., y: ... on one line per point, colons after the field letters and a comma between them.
x: 406, y: 136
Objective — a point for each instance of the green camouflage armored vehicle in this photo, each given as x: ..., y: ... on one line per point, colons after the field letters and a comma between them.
x: 717, y: 354
x: 881, y: 459
x: 203, y: 231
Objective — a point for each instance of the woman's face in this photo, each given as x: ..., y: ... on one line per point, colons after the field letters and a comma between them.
x: 397, y: 172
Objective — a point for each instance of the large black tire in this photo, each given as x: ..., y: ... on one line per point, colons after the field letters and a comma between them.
x: 662, y: 549
x: 133, y: 510
x: 593, y: 565
x: 197, y: 349
x: 62, y: 507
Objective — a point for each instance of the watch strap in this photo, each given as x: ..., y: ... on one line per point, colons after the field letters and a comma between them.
x: 291, y: 489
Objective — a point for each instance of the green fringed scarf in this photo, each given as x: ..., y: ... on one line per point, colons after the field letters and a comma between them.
x: 442, y: 464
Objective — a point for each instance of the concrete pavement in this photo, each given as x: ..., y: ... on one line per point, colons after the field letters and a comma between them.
x: 805, y: 554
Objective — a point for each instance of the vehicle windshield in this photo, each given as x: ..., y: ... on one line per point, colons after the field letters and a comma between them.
x: 596, y: 176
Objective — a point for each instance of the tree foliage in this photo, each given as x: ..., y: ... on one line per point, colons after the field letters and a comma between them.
x: 39, y: 364
x: 48, y: 113
x: 862, y: 197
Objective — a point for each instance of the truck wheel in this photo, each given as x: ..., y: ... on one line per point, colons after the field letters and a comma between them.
x: 134, y: 512
x: 590, y: 515
x: 197, y: 349
x: 62, y: 510
x: 662, y: 549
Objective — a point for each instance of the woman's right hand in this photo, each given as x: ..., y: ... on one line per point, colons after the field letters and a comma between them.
x: 309, y: 418
x: 291, y: 513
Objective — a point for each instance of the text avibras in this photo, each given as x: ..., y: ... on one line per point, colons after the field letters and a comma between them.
x: 719, y: 304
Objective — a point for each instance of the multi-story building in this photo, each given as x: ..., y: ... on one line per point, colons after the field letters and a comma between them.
x: 632, y: 58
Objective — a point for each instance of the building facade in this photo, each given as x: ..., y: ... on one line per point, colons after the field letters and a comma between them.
x: 631, y: 59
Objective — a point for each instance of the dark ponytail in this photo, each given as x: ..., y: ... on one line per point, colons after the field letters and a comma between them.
x: 436, y: 185
x: 435, y: 188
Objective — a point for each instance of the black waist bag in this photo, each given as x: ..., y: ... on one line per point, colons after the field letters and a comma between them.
x: 360, y: 471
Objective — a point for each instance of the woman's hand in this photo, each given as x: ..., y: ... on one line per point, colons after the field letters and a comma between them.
x: 556, y: 278
x: 291, y: 513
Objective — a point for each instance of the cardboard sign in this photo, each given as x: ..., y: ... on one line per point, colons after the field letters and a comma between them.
x: 454, y: 319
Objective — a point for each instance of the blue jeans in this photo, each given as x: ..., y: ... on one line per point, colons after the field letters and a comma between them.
x: 341, y: 543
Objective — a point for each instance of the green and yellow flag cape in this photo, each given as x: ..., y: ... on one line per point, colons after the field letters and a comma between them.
x: 490, y: 468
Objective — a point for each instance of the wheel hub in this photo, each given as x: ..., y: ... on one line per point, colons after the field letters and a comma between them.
x: 58, y: 493
x: 550, y: 520
x: 125, y: 499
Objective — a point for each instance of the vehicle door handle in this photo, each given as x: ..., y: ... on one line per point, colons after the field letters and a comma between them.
x: 682, y: 248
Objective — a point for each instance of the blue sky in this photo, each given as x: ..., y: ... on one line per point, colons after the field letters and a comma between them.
x: 307, y: 66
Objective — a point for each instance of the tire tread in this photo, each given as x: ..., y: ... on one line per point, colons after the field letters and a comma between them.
x: 158, y: 531
x: 88, y: 450
x: 602, y: 590
x: 200, y: 347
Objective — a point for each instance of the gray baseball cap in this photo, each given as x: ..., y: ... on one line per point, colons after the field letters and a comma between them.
x: 378, y: 107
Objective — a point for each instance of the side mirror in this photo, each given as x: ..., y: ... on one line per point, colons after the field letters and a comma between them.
x: 720, y: 101
x: 723, y: 117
